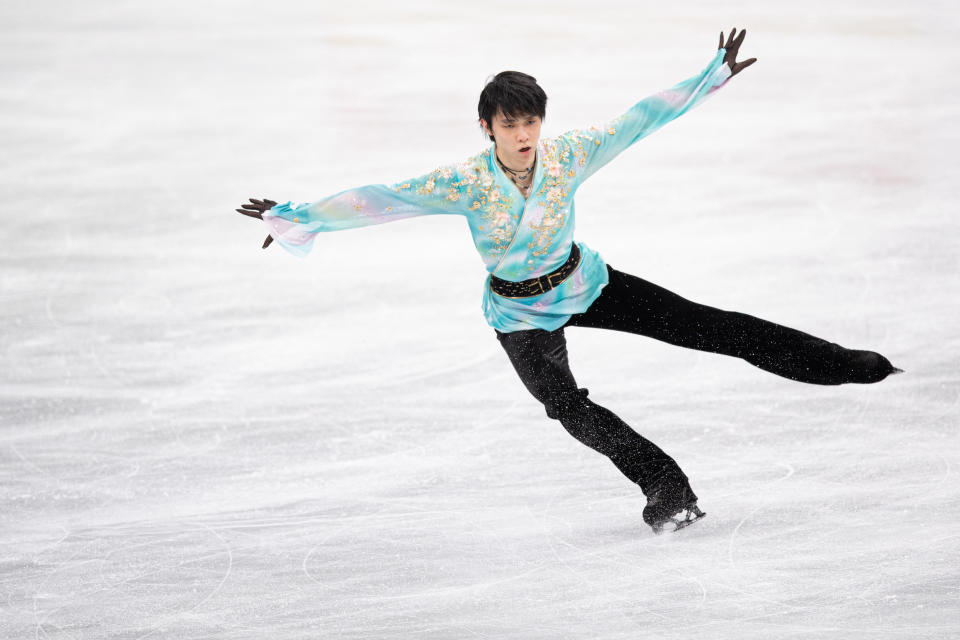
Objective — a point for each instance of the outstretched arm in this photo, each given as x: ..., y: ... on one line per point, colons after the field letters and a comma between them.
x: 595, y: 147
x: 294, y: 226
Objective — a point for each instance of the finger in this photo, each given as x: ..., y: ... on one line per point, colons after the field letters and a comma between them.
x: 734, y: 48
x: 733, y: 32
x: 270, y: 203
x: 734, y: 44
x: 739, y: 40
x: 255, y: 201
x: 252, y: 214
x: 740, y: 66
x: 253, y: 207
x: 266, y: 243
x: 721, y: 41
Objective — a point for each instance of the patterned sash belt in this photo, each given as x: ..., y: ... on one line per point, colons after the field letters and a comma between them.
x: 536, y: 286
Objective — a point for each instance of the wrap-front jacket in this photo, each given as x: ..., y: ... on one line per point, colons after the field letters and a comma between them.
x: 517, y: 238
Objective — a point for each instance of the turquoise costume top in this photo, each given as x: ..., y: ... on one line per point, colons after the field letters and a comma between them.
x: 517, y: 238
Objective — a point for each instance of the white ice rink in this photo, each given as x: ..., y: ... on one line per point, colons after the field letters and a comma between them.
x: 200, y: 439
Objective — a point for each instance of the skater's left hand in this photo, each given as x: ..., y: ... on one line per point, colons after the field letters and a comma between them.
x: 255, y: 209
x: 733, y: 47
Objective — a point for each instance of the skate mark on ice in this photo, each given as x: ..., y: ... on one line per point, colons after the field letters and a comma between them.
x: 161, y: 542
x: 345, y: 524
x: 31, y: 464
x: 617, y: 558
x: 387, y: 517
x: 174, y: 615
x: 555, y: 542
x: 497, y: 417
x: 932, y: 484
x: 403, y: 377
x: 38, y: 593
x: 120, y: 381
x: 60, y: 631
x: 56, y: 285
x: 38, y: 623
x: 762, y: 506
x: 108, y: 587
x: 226, y: 573
x: 597, y: 586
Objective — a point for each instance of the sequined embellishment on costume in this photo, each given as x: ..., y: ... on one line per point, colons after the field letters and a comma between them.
x: 554, y: 193
x: 495, y: 206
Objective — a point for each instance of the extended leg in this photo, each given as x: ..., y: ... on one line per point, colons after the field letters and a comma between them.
x: 634, y: 305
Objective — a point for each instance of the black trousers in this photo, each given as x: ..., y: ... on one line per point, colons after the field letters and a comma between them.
x: 634, y: 305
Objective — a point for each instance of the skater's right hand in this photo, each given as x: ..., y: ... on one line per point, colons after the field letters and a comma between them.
x: 255, y: 209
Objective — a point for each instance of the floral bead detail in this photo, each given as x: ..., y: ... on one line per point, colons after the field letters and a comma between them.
x: 554, y: 194
x: 494, y: 205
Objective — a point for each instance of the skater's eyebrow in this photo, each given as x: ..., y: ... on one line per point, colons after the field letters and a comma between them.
x: 511, y: 119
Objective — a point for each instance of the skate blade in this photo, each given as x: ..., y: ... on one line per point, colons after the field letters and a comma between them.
x: 686, y: 522
x: 692, y: 515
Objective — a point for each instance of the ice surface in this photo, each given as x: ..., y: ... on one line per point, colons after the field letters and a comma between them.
x: 201, y: 439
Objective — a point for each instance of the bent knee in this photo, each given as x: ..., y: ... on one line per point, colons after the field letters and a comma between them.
x: 562, y: 403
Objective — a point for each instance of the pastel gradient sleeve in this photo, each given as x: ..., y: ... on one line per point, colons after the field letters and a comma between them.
x: 294, y: 226
x: 593, y: 148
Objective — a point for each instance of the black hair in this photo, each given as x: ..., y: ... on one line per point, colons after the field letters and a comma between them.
x: 514, y: 94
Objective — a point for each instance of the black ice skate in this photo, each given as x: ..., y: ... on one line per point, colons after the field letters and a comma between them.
x: 668, y: 500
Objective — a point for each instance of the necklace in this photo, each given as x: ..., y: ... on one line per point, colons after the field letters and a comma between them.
x: 522, y: 178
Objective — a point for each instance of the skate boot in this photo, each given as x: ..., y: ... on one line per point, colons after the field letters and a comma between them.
x: 867, y: 367
x: 669, y: 497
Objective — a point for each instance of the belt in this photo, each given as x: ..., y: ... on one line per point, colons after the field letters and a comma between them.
x: 536, y: 286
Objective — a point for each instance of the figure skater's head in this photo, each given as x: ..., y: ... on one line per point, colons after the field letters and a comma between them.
x: 512, y: 107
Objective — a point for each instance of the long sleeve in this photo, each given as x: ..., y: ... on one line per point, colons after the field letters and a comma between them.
x: 592, y: 148
x: 294, y: 226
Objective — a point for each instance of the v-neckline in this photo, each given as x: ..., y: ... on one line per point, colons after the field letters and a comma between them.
x: 537, y: 174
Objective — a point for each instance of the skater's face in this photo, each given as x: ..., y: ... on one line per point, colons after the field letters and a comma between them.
x: 516, y: 138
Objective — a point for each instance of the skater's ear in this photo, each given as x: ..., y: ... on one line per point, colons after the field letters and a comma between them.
x: 486, y: 128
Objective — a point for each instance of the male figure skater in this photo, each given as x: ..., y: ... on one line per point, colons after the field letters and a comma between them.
x: 517, y: 198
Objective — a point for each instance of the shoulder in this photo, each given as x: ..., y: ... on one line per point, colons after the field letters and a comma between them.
x: 570, y: 149
x: 585, y: 142
x: 475, y: 171
x: 451, y: 181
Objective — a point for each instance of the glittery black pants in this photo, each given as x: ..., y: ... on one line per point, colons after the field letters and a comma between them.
x: 634, y: 305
